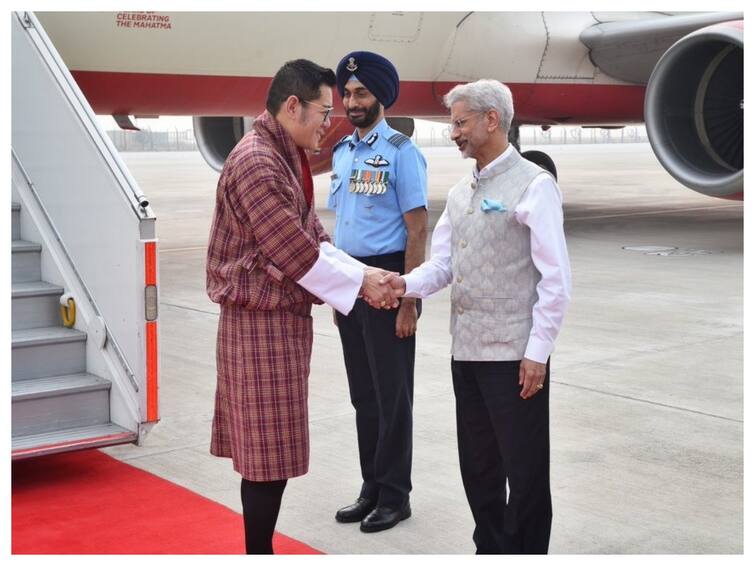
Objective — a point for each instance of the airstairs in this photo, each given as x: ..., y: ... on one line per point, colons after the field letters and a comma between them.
x: 84, y: 271
x: 56, y: 404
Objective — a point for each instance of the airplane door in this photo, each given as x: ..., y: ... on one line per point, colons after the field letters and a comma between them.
x: 565, y: 56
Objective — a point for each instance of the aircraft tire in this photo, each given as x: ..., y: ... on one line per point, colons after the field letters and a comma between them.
x: 541, y: 159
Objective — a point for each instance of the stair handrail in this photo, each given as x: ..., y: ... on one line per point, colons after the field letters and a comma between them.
x: 74, y: 96
x: 110, y: 340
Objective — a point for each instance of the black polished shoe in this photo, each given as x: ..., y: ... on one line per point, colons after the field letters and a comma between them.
x: 356, y: 511
x: 383, y: 518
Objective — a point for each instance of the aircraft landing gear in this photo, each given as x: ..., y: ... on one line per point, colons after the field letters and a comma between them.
x: 539, y: 158
x: 514, y: 137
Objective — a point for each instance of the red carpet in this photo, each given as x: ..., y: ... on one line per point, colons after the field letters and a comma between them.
x: 89, y: 503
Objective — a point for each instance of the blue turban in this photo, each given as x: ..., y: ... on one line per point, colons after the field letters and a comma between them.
x: 372, y: 70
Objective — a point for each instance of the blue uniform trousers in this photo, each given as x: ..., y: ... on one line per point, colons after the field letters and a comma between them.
x: 380, y: 370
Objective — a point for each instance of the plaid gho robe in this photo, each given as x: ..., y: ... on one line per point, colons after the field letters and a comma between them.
x: 264, y: 237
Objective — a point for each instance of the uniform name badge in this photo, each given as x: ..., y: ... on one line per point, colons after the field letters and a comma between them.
x: 368, y: 182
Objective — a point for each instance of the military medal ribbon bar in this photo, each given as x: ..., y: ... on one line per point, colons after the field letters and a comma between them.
x: 368, y: 182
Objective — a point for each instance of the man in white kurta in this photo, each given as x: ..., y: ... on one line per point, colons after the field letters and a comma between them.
x: 500, y: 244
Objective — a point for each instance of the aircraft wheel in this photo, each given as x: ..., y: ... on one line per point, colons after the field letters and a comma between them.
x: 541, y: 159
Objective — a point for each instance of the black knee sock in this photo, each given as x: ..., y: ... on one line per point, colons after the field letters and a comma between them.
x: 261, y: 502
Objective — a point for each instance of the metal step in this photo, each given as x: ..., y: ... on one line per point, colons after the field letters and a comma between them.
x: 46, y: 352
x: 35, y: 304
x: 53, y: 403
x: 70, y: 439
x: 15, y: 211
x: 25, y: 261
x: 29, y: 389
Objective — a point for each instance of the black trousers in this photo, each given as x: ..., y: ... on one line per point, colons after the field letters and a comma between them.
x: 504, y: 438
x: 380, y: 370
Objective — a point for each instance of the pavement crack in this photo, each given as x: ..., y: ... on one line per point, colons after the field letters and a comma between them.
x: 129, y: 457
x: 189, y: 309
x: 655, y: 403
x: 649, y: 350
x: 650, y: 212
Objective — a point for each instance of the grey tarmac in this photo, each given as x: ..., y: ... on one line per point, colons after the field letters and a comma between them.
x: 647, y: 376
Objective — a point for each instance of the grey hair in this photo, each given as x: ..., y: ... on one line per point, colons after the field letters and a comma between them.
x: 484, y: 95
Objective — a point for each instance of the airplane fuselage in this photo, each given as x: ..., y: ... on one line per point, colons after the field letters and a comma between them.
x: 220, y: 64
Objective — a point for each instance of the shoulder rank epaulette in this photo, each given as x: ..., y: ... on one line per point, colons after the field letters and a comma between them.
x: 398, y: 139
x: 343, y: 140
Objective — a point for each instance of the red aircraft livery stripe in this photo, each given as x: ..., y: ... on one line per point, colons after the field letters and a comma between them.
x: 205, y: 95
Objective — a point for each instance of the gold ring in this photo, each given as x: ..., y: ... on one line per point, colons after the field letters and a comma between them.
x: 539, y: 386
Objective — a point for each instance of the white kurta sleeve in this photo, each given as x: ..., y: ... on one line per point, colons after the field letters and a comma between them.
x: 334, y: 252
x: 434, y: 274
x: 541, y: 210
x: 335, y: 278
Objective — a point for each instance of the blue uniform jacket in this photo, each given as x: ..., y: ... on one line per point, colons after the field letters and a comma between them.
x: 375, y: 181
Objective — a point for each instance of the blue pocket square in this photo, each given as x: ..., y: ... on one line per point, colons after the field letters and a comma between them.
x: 489, y: 205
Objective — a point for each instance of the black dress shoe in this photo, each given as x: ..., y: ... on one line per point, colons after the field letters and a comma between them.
x: 383, y: 518
x: 356, y: 511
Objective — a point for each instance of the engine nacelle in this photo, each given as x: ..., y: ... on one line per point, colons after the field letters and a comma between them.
x: 694, y: 110
x: 217, y: 135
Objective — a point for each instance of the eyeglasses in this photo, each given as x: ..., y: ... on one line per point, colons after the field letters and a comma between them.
x: 459, y: 124
x: 326, y: 114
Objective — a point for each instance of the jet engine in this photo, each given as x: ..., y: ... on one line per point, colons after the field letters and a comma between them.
x: 694, y: 110
x: 217, y: 135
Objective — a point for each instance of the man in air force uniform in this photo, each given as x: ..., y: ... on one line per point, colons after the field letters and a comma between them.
x: 379, y: 193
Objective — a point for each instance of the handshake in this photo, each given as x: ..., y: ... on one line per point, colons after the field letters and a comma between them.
x: 382, y: 289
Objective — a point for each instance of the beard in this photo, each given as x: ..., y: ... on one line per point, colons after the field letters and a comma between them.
x: 463, y: 148
x: 368, y: 118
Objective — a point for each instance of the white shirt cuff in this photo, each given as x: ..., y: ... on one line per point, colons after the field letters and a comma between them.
x: 333, y: 279
x: 412, y: 286
x: 538, y: 350
x: 332, y: 251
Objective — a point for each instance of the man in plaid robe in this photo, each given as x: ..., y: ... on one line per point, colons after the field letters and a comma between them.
x: 268, y: 261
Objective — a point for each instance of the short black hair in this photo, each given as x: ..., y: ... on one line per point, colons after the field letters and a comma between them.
x: 301, y: 78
